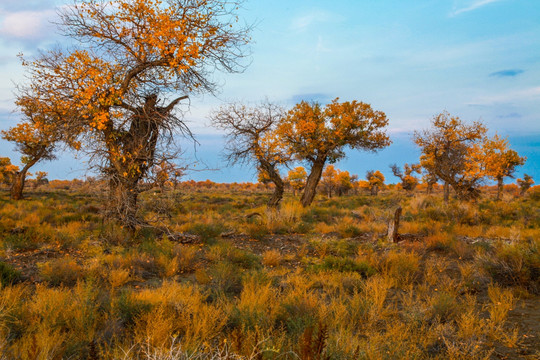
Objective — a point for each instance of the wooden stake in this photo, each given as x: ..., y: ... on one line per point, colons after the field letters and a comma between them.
x: 393, y: 226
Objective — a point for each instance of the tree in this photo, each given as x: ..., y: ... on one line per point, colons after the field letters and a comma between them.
x: 500, y: 161
x: 41, y: 178
x: 344, y: 182
x: 133, y: 62
x: 317, y: 135
x: 429, y: 179
x: 166, y: 173
x: 525, y: 183
x: 251, y: 139
x: 329, y: 180
x: 408, y: 181
x: 297, y: 178
x: 375, y: 181
x: 34, y: 138
x: 7, y: 170
x: 449, y: 149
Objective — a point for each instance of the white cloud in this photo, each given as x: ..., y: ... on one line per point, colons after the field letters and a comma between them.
x: 303, y: 22
x: 26, y: 25
x: 528, y: 94
x: 471, y: 5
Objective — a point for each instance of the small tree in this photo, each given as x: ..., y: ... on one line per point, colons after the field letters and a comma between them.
x: 297, y: 179
x: 251, y: 139
x: 375, y: 181
x: 329, y: 180
x: 344, y: 182
x: 429, y: 179
x: 166, y: 173
x: 7, y: 171
x: 500, y: 161
x: 449, y: 151
x: 41, y: 178
x: 525, y: 183
x: 318, y: 135
x: 408, y: 181
x: 36, y: 141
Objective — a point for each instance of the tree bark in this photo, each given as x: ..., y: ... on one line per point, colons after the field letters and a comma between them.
x: 499, y: 188
x: 275, y: 178
x: 312, y: 181
x: 19, y: 179
x: 17, y: 186
x: 277, y: 195
x: 393, y: 226
x: 123, y: 203
x: 446, y: 190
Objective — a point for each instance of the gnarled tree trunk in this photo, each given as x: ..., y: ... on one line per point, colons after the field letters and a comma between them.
x: 279, y: 187
x: 312, y: 181
x: 17, y: 185
x: 19, y: 179
x: 123, y: 198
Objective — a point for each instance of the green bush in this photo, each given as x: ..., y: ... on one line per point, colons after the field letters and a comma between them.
x: 8, y: 275
x: 346, y: 265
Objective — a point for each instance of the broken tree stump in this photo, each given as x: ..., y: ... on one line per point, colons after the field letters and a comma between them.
x: 393, y: 226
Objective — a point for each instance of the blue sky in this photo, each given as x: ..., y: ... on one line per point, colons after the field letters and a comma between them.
x: 478, y: 59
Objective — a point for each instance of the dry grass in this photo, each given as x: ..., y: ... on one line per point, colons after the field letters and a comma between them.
x: 334, y: 289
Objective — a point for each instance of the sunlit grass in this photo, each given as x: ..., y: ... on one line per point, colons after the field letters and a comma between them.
x: 270, y: 285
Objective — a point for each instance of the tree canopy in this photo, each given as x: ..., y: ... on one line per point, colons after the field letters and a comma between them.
x: 133, y: 61
x: 317, y: 134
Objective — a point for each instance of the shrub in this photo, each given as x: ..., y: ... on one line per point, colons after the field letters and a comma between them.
x: 61, y: 272
x: 8, y: 274
x: 515, y: 264
x: 346, y: 265
x: 403, y: 267
x: 272, y: 258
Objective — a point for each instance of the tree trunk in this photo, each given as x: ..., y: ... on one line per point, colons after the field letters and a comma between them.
x: 19, y: 179
x: 499, y: 188
x: 17, y: 186
x: 277, y: 195
x: 312, y: 181
x: 273, y: 175
x: 429, y: 188
x: 446, y: 190
x: 123, y: 203
x: 393, y: 226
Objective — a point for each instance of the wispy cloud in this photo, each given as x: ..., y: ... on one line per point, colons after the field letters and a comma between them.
x: 26, y: 26
x: 26, y: 5
x: 305, y: 21
x: 507, y: 73
x: 311, y: 97
x: 513, y: 115
x: 529, y: 94
x: 470, y: 6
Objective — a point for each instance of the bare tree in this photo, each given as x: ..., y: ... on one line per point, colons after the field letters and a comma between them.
x: 251, y: 139
x: 408, y: 181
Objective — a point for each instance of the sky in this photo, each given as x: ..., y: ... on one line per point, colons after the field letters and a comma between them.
x: 477, y: 59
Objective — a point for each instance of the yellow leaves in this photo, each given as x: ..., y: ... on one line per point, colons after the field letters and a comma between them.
x: 312, y: 130
x: 297, y: 177
x: 375, y: 178
x: 499, y: 160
